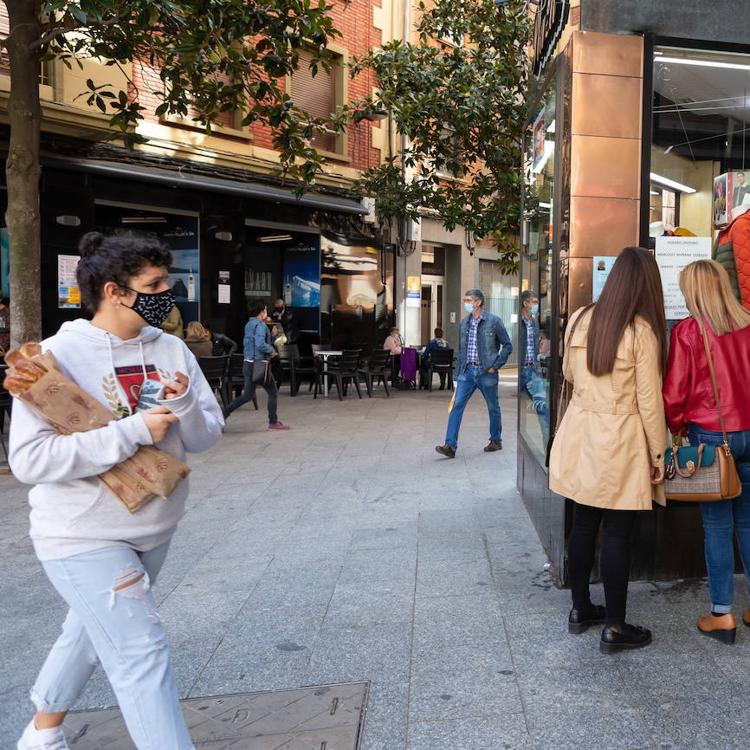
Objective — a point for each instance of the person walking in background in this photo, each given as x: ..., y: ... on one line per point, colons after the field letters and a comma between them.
x: 198, y: 340
x: 483, y: 348
x: 608, y: 453
x: 258, y: 346
x: 101, y: 558
x: 437, y: 343
x: 691, y: 409
x: 531, y: 381
x: 287, y: 319
x: 173, y: 323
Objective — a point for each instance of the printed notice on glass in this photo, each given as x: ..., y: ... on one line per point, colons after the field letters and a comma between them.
x: 672, y: 255
x: 68, y: 293
x: 225, y: 294
x: 602, y: 267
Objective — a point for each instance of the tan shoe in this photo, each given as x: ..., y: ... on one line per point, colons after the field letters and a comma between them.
x: 723, y: 628
x: 746, y: 617
x: 493, y: 446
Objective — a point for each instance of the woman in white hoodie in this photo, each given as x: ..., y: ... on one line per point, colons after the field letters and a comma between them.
x: 101, y: 558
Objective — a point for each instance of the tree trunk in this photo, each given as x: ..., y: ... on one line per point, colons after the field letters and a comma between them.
x: 22, y: 171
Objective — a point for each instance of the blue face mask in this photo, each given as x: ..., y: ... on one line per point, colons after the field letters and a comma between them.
x: 535, y: 309
x: 468, y: 307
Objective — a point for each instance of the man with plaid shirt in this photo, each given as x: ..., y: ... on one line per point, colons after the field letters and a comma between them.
x: 483, y: 348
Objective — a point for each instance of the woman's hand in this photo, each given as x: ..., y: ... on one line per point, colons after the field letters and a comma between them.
x: 175, y: 388
x: 657, y: 474
x: 158, y: 420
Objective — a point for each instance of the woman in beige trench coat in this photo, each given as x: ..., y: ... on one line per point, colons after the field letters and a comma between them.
x: 608, y: 453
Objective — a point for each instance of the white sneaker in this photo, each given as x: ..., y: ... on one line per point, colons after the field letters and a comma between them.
x: 42, y: 739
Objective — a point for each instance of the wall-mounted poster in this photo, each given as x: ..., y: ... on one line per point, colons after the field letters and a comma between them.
x: 538, y: 134
x: 68, y: 293
x: 181, y: 235
x: 301, y: 282
x: 672, y: 255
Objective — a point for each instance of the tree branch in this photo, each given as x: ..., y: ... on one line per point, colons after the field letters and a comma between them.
x: 69, y: 26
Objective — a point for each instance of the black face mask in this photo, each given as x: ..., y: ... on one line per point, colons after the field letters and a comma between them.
x: 279, y: 309
x: 153, y: 308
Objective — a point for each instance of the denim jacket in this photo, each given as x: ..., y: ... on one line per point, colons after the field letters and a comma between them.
x: 493, y: 342
x: 257, y: 340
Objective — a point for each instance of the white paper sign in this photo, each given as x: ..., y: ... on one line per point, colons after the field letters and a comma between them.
x: 672, y: 255
x: 224, y: 294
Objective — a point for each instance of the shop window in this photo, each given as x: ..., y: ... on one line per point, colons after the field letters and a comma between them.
x: 534, y: 327
x: 700, y: 145
x: 501, y: 297
x: 319, y: 95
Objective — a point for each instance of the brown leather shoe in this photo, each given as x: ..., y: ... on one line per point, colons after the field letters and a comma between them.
x: 723, y: 628
x: 446, y: 450
x: 493, y: 446
x: 746, y: 617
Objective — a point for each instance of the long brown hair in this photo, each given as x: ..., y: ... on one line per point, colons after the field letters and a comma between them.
x: 633, y: 288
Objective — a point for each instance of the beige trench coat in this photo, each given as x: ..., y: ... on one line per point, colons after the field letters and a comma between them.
x: 614, y: 430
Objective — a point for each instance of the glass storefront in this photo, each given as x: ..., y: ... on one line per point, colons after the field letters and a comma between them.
x: 535, y: 332
x: 700, y: 156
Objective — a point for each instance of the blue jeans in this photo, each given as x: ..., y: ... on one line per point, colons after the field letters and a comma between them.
x: 536, y: 387
x: 113, y: 619
x: 248, y: 393
x: 468, y: 382
x: 724, y: 519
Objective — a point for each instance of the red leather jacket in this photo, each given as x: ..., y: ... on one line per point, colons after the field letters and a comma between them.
x: 688, y: 394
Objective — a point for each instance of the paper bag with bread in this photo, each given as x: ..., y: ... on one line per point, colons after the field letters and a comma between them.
x: 35, y: 378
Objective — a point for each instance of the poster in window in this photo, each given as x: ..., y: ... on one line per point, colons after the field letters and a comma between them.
x: 602, y: 267
x: 184, y: 273
x: 672, y: 255
x: 539, y: 134
x: 301, y: 282
x: 68, y: 293
x: 4, y: 264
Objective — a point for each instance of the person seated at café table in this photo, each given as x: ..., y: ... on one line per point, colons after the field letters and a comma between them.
x: 198, y: 339
x: 222, y: 345
x: 437, y: 343
x: 395, y: 345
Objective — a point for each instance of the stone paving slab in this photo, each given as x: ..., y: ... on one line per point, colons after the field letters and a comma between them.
x: 326, y: 716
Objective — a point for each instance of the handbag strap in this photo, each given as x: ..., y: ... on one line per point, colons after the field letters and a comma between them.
x: 714, y: 383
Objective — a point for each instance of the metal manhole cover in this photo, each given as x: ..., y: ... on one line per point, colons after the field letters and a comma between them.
x: 323, y: 717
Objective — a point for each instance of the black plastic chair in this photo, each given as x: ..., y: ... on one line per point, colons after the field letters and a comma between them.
x: 441, y: 362
x: 236, y: 378
x: 343, y: 370
x: 296, y: 369
x: 214, y: 369
x: 377, y: 367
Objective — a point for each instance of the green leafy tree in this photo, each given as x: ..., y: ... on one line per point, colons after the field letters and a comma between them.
x: 457, y: 95
x: 212, y: 56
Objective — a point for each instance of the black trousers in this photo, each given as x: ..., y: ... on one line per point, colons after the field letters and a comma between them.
x: 614, y: 560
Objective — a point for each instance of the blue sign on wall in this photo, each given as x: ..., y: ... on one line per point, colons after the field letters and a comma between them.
x: 301, y: 282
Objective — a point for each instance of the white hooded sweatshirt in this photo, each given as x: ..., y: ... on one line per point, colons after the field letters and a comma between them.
x: 71, y: 510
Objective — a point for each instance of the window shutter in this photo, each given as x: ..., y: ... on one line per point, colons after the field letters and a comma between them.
x: 315, y: 95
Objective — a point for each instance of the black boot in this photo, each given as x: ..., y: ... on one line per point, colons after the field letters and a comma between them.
x: 619, y: 636
x: 579, y: 620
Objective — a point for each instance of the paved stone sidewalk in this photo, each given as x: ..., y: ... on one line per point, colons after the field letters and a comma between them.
x: 346, y: 550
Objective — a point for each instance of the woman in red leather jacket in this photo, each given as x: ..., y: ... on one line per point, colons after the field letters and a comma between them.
x: 691, y: 408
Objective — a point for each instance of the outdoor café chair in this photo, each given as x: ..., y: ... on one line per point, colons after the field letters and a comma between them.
x: 441, y: 362
x: 295, y: 369
x: 214, y: 369
x: 342, y: 371
x: 377, y: 368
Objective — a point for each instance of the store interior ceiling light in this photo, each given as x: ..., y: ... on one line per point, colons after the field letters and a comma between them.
x: 275, y: 238
x: 702, y: 63
x: 143, y: 220
x: 666, y: 182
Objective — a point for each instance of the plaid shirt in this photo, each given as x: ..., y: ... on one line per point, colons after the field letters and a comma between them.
x: 472, y: 353
x: 530, y: 341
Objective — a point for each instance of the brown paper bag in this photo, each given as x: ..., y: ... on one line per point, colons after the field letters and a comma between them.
x: 68, y: 408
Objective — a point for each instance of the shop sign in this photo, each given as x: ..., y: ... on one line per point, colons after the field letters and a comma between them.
x: 549, y: 22
x: 672, y: 255
x: 413, y: 291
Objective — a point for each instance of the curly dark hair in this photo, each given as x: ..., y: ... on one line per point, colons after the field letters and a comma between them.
x: 255, y: 307
x: 115, y: 257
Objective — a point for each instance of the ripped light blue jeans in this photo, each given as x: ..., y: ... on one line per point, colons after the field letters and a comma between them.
x: 113, y: 619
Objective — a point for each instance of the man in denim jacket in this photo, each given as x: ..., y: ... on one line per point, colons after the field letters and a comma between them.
x: 483, y: 348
